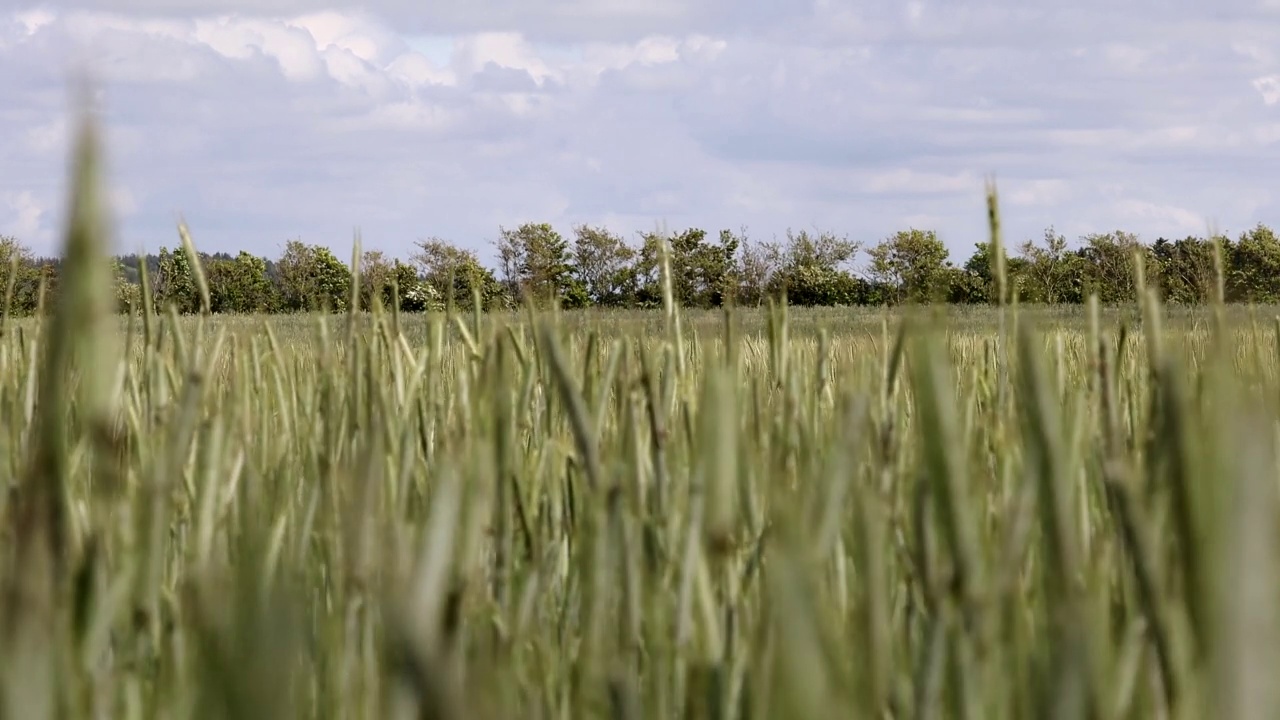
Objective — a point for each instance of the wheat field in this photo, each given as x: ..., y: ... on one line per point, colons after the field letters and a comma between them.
x: 1010, y: 512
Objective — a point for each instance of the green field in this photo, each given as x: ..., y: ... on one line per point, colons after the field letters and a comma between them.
x: 316, y: 517
x: 997, y: 513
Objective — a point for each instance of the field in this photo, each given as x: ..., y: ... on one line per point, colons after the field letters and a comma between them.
x: 999, y: 513
x: 834, y: 514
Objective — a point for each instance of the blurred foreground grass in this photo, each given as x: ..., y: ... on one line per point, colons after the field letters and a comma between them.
x: 775, y: 514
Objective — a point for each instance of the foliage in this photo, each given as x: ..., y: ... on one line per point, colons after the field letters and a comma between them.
x: 1050, y: 274
x: 967, y: 287
x: 978, y: 283
x: 812, y: 269
x: 312, y: 278
x: 416, y: 294
x: 455, y: 275
x: 175, y: 283
x: 602, y: 264
x: 599, y: 269
x: 702, y: 272
x: 1186, y: 270
x: 1108, y: 265
x: 127, y: 295
x: 376, y: 275
x: 537, y: 266
x: 19, y: 277
x: 914, y: 263
x: 1254, y: 270
x: 756, y: 263
x: 240, y: 285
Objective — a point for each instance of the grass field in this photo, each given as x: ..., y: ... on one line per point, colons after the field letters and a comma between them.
x: 1001, y: 513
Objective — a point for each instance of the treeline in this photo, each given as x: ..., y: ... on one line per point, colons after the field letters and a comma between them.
x: 597, y: 268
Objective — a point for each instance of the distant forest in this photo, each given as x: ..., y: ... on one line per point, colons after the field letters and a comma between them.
x: 593, y: 267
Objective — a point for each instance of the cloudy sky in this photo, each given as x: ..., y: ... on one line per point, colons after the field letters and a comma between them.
x: 264, y: 120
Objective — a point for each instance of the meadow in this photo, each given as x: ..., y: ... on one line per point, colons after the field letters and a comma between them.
x: 1006, y: 512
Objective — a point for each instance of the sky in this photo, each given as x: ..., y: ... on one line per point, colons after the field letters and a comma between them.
x: 260, y: 121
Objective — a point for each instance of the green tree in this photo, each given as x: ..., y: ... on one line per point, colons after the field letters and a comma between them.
x: 966, y: 287
x: 19, y: 276
x: 1253, y: 273
x: 913, y: 265
x: 537, y: 265
x: 812, y: 270
x: 978, y: 283
x: 376, y: 274
x: 703, y: 274
x: 128, y: 295
x: 175, y: 284
x: 454, y: 273
x: 1048, y: 273
x: 333, y: 280
x: 1187, y: 274
x: 239, y: 285
x: 312, y: 278
x: 260, y: 293
x: 602, y: 264
x: 416, y: 294
x: 757, y: 263
x: 720, y: 272
x: 1107, y: 267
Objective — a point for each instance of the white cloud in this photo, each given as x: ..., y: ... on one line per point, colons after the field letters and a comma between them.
x: 25, y: 217
x: 293, y: 48
x: 363, y: 37
x: 32, y: 20
x: 271, y: 119
x: 123, y: 202
x: 1169, y: 219
x: 1269, y: 88
x: 473, y: 54
x: 49, y: 139
x: 413, y: 69
x: 920, y: 183
x: 1040, y: 192
x: 558, y: 20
